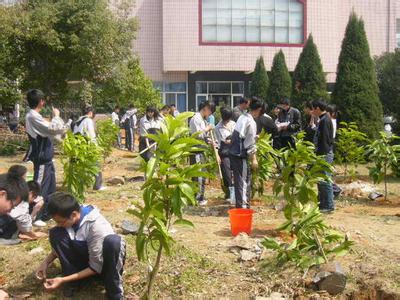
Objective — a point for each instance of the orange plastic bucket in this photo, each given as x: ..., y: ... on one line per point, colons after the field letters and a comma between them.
x: 241, y: 220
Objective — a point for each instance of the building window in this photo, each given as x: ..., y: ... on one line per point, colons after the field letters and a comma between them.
x: 221, y: 93
x: 252, y: 22
x: 398, y: 33
x: 173, y: 93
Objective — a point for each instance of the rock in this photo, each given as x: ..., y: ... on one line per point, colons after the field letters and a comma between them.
x: 129, y: 228
x: 273, y: 296
x: 331, y: 279
x: 116, y: 180
x: 246, y: 255
x: 243, y: 241
x: 36, y: 250
x: 357, y: 189
x: 375, y: 195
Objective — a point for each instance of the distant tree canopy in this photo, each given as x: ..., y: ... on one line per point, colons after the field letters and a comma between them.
x: 259, y: 80
x: 51, y: 43
x: 280, y: 80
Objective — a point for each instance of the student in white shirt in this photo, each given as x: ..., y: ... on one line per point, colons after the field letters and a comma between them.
x: 148, y: 124
x: 115, y: 120
x: 85, y: 126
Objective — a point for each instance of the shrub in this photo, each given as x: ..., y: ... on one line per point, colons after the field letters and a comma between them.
x: 80, y: 158
x: 350, y: 147
x: 280, y: 80
x: 107, y: 133
x: 259, y: 81
x: 356, y: 89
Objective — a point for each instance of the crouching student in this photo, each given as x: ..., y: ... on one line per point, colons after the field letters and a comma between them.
x: 223, y: 134
x: 243, y: 151
x: 85, y: 244
x: 35, y: 202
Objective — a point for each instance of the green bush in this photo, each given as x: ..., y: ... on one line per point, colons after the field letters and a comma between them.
x: 107, y: 133
x: 309, y: 81
x: 356, y: 89
x: 280, y: 80
x: 80, y: 158
x: 259, y: 81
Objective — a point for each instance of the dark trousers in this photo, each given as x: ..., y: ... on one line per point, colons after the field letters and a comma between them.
x: 226, y: 174
x: 242, y: 179
x: 199, y: 159
x: 284, y: 142
x: 74, y: 257
x: 98, y: 181
x: 8, y: 227
x: 130, y: 138
x: 45, y: 175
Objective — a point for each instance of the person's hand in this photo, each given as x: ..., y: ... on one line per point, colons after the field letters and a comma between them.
x: 209, y: 127
x: 53, y: 284
x: 3, y: 295
x: 56, y: 112
x: 41, y: 272
x: 218, y: 159
x: 254, y: 163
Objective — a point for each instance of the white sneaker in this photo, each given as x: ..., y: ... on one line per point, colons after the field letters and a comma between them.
x: 203, y: 203
x: 103, y: 188
x: 39, y: 223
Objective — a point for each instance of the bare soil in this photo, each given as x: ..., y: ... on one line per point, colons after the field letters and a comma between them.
x: 202, y: 267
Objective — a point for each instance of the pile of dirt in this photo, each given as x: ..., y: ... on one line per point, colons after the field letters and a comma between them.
x: 357, y: 189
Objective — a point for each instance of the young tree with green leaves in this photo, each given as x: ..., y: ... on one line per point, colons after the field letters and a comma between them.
x: 280, y: 81
x: 350, y: 146
x: 313, y: 240
x: 309, y: 82
x: 259, y: 81
x: 80, y: 158
x: 356, y: 89
x: 167, y: 191
x: 383, y: 154
x: 107, y: 133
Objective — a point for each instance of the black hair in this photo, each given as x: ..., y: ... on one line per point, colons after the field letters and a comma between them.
x: 117, y: 107
x: 34, y: 187
x: 285, y: 101
x: 87, y: 109
x: 17, y: 171
x: 166, y: 107
x: 265, y: 109
x: 62, y: 204
x: 131, y: 106
x: 256, y: 104
x: 226, y: 113
x: 204, y: 104
x: 213, y: 107
x: 154, y: 110
x: 34, y: 96
x: 332, y: 109
x: 243, y: 100
x: 15, y: 186
x: 309, y: 105
x: 173, y: 105
x: 319, y: 103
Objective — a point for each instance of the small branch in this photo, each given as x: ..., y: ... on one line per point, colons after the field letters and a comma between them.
x: 153, y: 274
x: 321, y: 249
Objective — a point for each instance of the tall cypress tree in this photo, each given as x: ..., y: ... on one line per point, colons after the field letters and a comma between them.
x: 279, y: 78
x: 309, y: 81
x: 356, y: 89
x: 259, y: 81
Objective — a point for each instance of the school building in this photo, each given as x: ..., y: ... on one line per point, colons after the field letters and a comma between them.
x: 195, y: 50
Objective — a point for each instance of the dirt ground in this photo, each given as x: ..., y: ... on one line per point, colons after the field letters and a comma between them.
x: 202, y: 267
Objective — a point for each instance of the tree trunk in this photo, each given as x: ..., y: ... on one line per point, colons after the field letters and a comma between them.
x: 385, y: 178
x: 153, y: 274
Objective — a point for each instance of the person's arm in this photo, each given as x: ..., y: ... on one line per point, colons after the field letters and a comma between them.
x: 38, y: 206
x: 54, y: 283
x: 89, y: 128
x: 295, y: 125
x: 21, y: 215
x: 49, y: 129
x: 41, y: 272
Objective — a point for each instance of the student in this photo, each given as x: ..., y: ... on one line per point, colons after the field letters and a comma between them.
x: 324, y: 146
x: 85, y: 126
x: 115, y: 120
x: 333, y: 113
x: 311, y: 124
x: 85, y: 244
x: 289, y: 124
x: 149, y: 124
x: 35, y: 202
x: 241, y: 108
x: 10, y: 196
x: 129, y: 121
x: 174, y: 111
x: 223, y: 134
x: 165, y: 111
x: 266, y: 123
x: 41, y: 134
x: 242, y: 150
x: 198, y: 124
x: 17, y: 222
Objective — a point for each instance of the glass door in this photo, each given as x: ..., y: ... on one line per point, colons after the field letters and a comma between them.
x: 236, y: 99
x: 221, y: 100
